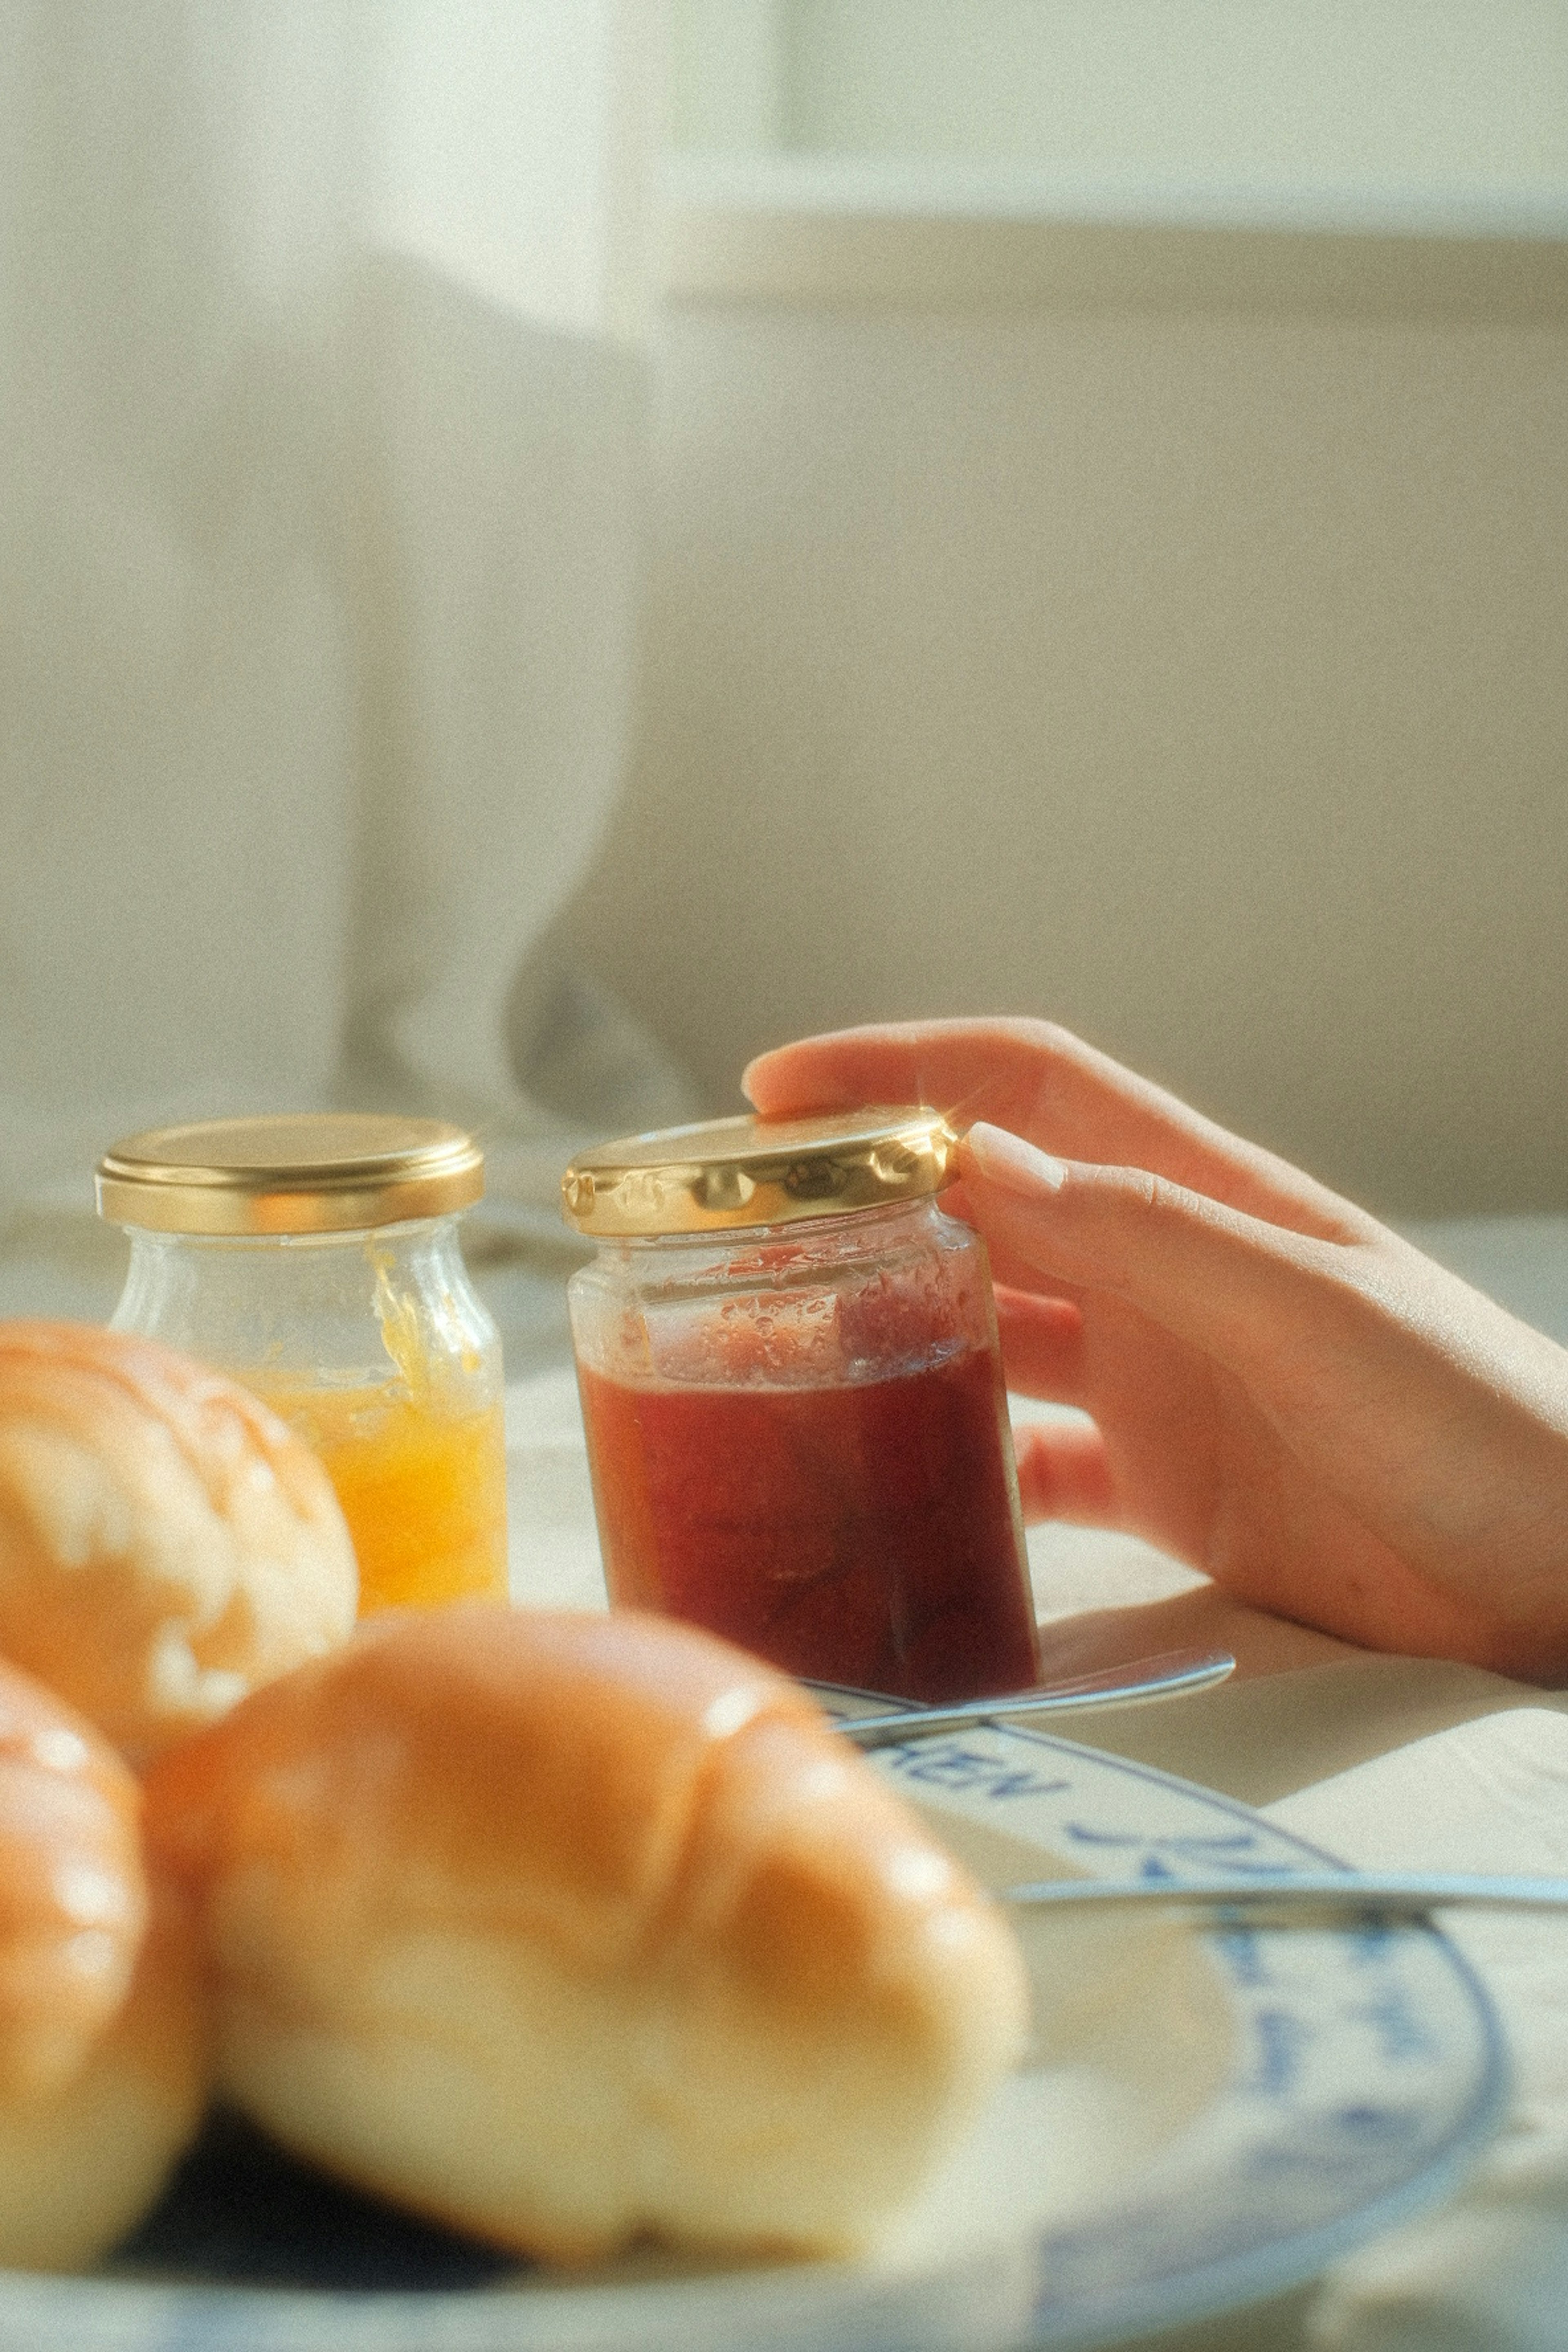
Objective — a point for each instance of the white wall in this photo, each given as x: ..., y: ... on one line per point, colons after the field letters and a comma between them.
x: 1445, y: 95
x: 1200, y: 681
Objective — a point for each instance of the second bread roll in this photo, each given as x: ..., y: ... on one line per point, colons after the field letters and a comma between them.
x: 165, y: 1542
x: 104, y: 2042
x: 568, y: 1928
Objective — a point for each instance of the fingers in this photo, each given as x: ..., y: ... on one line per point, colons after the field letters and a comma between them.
x: 1041, y: 1082
x: 983, y: 1069
x: 1042, y: 1345
x: 1065, y: 1474
x: 1245, y: 1292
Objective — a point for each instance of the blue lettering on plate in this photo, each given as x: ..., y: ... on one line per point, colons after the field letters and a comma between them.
x: 965, y: 1768
x: 1281, y: 2038
x: 1235, y: 1852
x: 1372, y: 1944
x: 1381, y: 2124
x: 1402, y: 2038
x: 1241, y: 1950
x: 1358, y: 2137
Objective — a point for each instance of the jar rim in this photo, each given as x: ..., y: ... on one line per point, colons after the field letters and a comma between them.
x: 294, y: 1172
x: 732, y: 1174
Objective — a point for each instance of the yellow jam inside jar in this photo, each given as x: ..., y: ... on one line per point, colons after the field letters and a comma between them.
x: 423, y: 1490
x: 418, y: 1467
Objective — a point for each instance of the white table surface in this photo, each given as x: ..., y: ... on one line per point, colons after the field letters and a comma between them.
x: 1405, y: 1762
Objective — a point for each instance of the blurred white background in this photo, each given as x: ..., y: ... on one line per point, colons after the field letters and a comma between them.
x: 549, y: 544
x: 1111, y: 494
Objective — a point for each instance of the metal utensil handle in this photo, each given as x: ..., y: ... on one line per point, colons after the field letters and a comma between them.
x: 1401, y: 1894
x: 1183, y: 1675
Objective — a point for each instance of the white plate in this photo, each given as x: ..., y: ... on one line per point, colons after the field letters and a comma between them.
x: 1206, y: 2118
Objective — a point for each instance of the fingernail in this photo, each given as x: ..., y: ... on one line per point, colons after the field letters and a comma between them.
x: 1007, y: 1160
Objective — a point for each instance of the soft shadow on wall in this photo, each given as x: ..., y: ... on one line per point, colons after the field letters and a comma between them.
x: 1199, y: 681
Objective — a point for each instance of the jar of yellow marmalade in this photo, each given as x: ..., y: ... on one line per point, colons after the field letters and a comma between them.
x: 315, y: 1258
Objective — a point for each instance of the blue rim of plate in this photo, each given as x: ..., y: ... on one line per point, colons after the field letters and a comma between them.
x: 1231, y: 2280
x: 1130, y: 2266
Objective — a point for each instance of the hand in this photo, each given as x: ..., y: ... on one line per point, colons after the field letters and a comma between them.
x: 1284, y: 1393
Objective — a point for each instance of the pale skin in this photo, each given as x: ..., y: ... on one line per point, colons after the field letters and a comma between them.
x: 1284, y: 1394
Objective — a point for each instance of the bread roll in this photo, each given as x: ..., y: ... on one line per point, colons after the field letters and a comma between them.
x: 103, y: 2044
x: 165, y: 1543
x: 564, y: 1929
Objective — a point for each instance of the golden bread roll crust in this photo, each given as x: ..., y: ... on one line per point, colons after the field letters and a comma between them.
x: 570, y: 1928
x: 73, y: 1892
x: 80, y: 2167
x: 165, y: 1543
x: 104, y: 2056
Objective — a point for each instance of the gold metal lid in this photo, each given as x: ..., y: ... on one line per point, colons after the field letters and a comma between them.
x: 311, y: 1172
x: 730, y: 1173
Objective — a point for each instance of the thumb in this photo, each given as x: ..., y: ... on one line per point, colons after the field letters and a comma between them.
x: 1234, y: 1286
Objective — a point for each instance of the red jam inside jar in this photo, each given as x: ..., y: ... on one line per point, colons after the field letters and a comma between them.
x: 862, y: 1534
x: 800, y: 1441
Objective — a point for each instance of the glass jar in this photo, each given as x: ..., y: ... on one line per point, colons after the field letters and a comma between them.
x: 315, y: 1258
x: 792, y: 1389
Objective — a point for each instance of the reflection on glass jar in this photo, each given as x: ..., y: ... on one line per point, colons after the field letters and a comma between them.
x: 792, y: 1394
x: 316, y: 1259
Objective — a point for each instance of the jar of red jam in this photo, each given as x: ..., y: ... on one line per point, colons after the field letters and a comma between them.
x: 792, y: 1389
